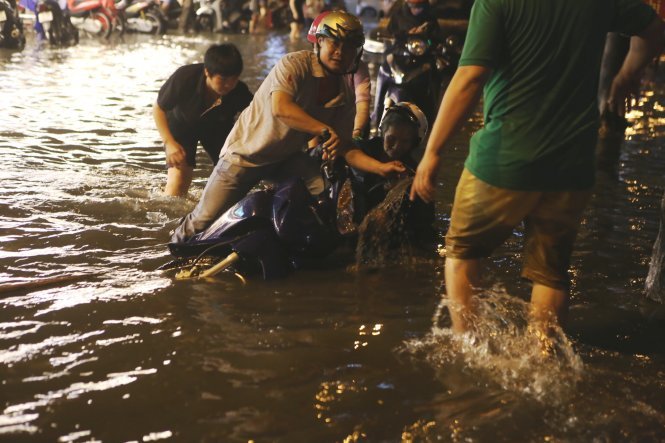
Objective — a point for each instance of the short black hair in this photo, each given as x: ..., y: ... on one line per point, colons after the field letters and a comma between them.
x: 223, y: 59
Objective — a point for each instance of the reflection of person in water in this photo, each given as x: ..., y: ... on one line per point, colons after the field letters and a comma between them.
x: 533, y: 160
x: 303, y: 96
x: 402, y: 129
x: 199, y: 103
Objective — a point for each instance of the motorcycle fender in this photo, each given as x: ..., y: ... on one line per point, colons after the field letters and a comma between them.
x: 205, y: 10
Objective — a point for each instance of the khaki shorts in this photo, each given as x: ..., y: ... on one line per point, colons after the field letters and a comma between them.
x: 484, y: 216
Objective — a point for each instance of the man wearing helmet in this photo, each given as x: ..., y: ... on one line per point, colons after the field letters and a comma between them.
x: 302, y: 96
x: 358, y: 81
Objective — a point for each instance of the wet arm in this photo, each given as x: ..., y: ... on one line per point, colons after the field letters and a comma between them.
x: 161, y: 122
x: 362, y: 117
x: 359, y: 160
x: 459, y: 100
x: 643, y: 48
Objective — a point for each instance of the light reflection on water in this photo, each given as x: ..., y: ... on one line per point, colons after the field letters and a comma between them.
x: 122, y: 353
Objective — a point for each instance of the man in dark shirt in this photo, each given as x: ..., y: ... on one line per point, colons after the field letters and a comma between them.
x: 199, y: 103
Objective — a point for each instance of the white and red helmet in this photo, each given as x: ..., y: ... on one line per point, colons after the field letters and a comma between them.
x: 338, y: 25
x: 409, y: 113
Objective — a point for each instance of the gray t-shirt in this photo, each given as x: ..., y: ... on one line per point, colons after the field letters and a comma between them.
x: 258, y: 138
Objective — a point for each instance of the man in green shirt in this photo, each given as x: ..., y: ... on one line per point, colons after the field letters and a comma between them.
x: 533, y: 160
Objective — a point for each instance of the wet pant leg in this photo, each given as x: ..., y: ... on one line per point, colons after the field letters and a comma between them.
x: 227, y: 184
x: 303, y: 166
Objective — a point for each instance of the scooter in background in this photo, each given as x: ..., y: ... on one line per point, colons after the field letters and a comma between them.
x: 51, y: 21
x: 209, y: 15
x: 11, y: 26
x: 91, y: 16
x: 144, y: 16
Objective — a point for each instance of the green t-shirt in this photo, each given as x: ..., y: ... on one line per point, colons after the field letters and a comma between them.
x: 540, y: 108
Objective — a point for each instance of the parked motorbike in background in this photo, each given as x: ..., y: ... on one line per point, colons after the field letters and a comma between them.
x: 91, y: 16
x: 223, y: 16
x: 11, y: 26
x: 51, y: 20
x: 267, y: 234
x: 236, y: 17
x: 144, y: 16
x: 209, y: 15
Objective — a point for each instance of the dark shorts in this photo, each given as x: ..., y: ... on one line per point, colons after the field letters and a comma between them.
x: 484, y: 216
x: 190, y: 142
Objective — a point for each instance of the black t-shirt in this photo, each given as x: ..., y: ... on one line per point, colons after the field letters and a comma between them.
x: 182, y: 98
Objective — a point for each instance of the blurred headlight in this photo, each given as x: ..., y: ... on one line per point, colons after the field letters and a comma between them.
x: 416, y: 46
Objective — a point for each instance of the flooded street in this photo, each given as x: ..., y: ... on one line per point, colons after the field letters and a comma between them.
x: 115, y: 351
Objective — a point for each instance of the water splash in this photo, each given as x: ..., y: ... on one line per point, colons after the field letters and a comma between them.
x: 381, y: 235
x: 504, y: 349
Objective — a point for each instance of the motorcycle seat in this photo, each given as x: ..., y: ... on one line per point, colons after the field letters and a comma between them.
x: 79, y: 7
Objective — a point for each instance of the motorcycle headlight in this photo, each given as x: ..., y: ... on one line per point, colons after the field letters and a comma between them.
x: 416, y: 46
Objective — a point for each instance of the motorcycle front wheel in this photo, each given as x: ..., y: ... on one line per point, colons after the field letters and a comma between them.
x: 104, y: 22
x: 118, y: 22
x: 158, y: 24
x: 204, y: 22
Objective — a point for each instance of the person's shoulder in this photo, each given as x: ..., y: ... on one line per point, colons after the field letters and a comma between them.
x: 300, y: 63
x: 188, y: 72
x: 241, y: 93
x: 242, y: 88
x: 297, y: 56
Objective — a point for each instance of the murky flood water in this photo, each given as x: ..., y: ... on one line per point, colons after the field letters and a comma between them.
x: 119, y: 352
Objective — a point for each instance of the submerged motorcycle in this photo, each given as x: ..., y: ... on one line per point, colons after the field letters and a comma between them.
x: 11, y: 26
x: 268, y: 234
